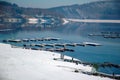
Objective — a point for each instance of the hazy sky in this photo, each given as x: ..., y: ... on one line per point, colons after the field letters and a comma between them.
x: 47, y: 3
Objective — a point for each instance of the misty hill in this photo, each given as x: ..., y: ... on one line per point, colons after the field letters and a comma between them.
x: 13, y: 10
x: 8, y: 9
x: 94, y: 10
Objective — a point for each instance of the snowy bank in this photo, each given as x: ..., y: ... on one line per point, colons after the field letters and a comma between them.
x: 65, y: 21
x: 92, y: 20
x: 22, y: 64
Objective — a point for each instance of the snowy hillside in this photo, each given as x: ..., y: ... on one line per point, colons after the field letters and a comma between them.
x: 107, y: 9
x: 21, y: 64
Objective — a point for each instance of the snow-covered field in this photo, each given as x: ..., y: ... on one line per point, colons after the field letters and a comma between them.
x: 22, y: 64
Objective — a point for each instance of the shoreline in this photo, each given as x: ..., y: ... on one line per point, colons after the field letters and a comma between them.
x: 90, y: 20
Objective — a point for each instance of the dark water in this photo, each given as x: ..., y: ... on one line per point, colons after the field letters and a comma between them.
x: 76, y: 33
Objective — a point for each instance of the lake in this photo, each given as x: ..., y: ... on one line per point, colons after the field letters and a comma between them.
x: 75, y: 33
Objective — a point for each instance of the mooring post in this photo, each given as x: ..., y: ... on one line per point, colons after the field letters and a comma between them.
x: 62, y: 56
x: 72, y: 59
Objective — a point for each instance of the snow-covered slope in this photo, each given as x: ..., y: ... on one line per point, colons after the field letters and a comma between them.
x: 21, y: 64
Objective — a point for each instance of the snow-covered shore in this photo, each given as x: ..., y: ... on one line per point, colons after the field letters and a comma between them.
x: 90, y: 20
x: 22, y: 64
x: 65, y: 21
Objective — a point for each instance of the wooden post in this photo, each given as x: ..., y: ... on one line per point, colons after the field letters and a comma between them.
x: 72, y: 59
x: 62, y: 56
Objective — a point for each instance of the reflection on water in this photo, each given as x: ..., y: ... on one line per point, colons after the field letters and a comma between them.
x: 73, y: 33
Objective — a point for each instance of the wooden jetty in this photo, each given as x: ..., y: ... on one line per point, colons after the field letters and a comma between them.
x: 55, y: 39
x: 36, y: 49
x: 29, y: 45
x: 32, y: 48
x: 95, y: 34
x: 70, y: 50
x: 64, y: 49
x: 77, y: 44
x: 46, y: 39
x: 13, y: 40
x: 107, y: 64
x: 80, y: 44
x: 26, y: 48
x: 32, y: 44
x: 39, y: 39
x: 71, y: 44
x: 59, y: 44
x: 64, y: 45
x: 59, y: 49
x: 5, y: 40
x: 74, y: 44
x: 31, y: 39
x: 112, y: 35
x: 51, y: 45
x: 55, y: 50
x: 40, y: 45
x: 50, y: 49
x: 108, y: 32
x: 25, y: 40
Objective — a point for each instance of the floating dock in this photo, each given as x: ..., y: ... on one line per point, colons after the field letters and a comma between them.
x: 112, y: 35
x: 64, y: 45
x: 31, y: 39
x: 91, y: 44
x: 10, y: 40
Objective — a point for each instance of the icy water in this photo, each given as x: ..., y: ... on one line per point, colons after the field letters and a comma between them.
x: 76, y: 33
